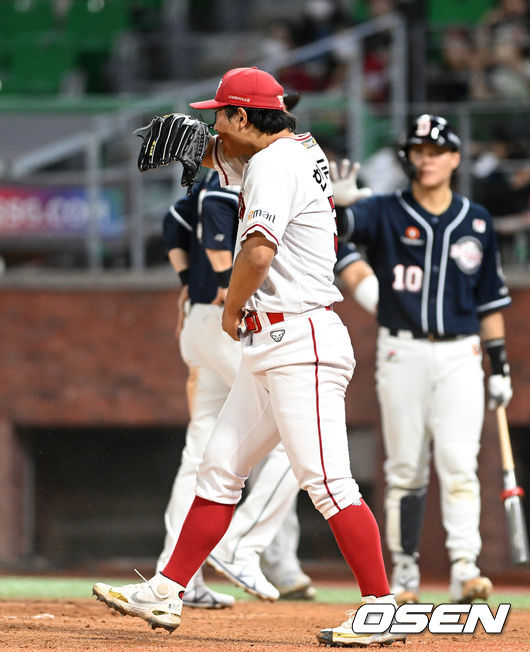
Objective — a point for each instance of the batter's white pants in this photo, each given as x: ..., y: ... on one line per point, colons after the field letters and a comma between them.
x: 213, y: 358
x: 291, y: 389
x: 433, y: 392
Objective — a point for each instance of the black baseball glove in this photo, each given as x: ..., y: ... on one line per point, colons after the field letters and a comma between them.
x: 174, y: 138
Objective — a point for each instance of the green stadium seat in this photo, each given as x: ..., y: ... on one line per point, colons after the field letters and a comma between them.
x: 95, y: 23
x: 25, y: 16
x: 39, y: 65
x: 461, y: 12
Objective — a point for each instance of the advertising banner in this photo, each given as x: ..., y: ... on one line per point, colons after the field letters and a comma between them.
x: 34, y: 211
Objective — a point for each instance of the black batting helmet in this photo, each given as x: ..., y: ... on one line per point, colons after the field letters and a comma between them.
x: 427, y: 128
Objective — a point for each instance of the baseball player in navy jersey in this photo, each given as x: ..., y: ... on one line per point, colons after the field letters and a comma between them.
x: 297, y: 358
x: 441, y: 290
x: 200, y: 232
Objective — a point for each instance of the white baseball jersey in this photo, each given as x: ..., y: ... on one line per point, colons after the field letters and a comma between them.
x: 286, y: 195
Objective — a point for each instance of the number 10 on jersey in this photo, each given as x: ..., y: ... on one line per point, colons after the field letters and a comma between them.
x: 407, y: 278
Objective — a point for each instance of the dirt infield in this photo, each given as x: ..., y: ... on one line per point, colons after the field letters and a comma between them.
x: 88, y: 625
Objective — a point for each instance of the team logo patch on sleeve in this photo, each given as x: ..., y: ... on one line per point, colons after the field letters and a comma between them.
x: 467, y: 253
x: 259, y: 213
x: 479, y: 226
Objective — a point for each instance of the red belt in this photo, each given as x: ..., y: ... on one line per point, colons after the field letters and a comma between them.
x: 253, y: 324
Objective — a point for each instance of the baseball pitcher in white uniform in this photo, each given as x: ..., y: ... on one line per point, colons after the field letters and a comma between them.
x: 200, y: 234
x: 297, y: 359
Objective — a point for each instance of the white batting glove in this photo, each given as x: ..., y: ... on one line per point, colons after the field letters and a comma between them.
x: 344, y: 182
x: 499, y: 391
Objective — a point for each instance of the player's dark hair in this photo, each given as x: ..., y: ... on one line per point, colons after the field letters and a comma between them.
x: 268, y: 121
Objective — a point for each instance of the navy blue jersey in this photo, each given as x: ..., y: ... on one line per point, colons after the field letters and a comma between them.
x: 437, y: 273
x: 205, y: 220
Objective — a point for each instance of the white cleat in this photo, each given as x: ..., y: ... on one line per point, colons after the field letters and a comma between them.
x: 295, y: 586
x: 344, y: 636
x: 467, y: 584
x: 203, y: 597
x: 249, y: 578
x: 158, y: 601
x: 290, y: 580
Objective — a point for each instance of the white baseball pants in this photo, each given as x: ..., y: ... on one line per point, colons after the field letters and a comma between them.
x: 289, y: 387
x: 433, y: 392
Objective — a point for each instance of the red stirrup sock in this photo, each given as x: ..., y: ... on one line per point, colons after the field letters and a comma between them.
x: 357, y: 534
x: 202, y: 530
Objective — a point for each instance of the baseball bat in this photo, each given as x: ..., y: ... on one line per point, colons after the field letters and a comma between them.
x: 512, y: 495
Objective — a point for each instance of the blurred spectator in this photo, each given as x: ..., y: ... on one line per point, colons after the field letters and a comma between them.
x: 451, y: 80
x: 300, y: 77
x: 377, y: 54
x: 504, y: 51
x: 376, y: 73
x: 502, y: 184
x: 510, y: 15
x: 320, y: 18
x: 277, y: 40
x: 329, y: 72
x: 501, y: 179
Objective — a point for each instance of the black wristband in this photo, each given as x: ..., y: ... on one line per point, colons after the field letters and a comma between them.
x: 344, y: 223
x: 223, y: 278
x: 496, y: 350
x: 184, y: 276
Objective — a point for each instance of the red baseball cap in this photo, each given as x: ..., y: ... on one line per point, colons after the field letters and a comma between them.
x: 248, y: 87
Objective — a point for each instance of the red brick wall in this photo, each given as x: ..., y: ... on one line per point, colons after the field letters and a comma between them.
x: 109, y: 357
x: 90, y: 357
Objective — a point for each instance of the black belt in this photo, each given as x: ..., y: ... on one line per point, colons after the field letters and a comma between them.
x: 432, y: 337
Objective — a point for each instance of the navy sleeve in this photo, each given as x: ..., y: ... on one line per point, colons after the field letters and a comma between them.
x: 491, y: 293
x: 219, y: 221
x: 177, y: 226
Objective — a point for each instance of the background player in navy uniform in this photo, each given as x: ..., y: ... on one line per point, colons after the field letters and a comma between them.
x: 441, y: 290
x: 200, y: 232
x: 209, y: 365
